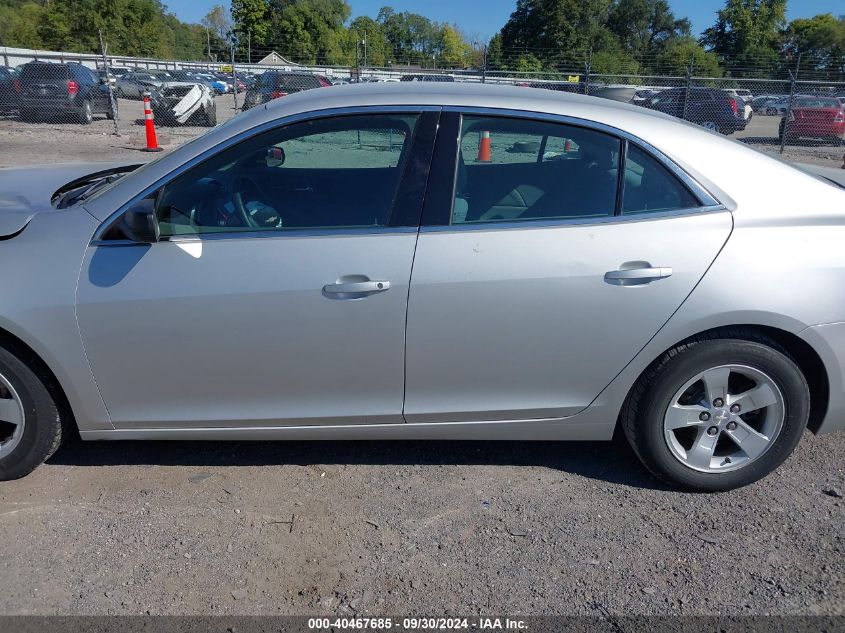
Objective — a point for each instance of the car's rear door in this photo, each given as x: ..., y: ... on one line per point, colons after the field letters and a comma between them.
x: 536, y: 278
x: 247, y: 313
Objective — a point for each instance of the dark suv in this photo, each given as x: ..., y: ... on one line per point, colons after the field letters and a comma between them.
x: 711, y: 108
x: 57, y: 90
x: 8, y: 89
x: 273, y: 84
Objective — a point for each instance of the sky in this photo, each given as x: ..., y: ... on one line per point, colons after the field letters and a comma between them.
x: 483, y: 18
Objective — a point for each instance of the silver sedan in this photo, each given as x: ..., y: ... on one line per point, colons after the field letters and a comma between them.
x: 430, y: 261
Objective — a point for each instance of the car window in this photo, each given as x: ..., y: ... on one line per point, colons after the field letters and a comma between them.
x: 338, y: 172
x: 650, y: 187
x: 502, y: 175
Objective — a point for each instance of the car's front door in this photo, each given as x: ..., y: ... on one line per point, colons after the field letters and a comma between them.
x: 260, y: 308
x: 541, y: 278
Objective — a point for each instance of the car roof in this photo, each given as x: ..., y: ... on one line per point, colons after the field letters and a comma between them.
x: 709, y: 157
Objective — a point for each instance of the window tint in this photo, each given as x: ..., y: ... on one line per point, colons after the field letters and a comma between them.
x: 328, y: 173
x: 517, y: 170
x: 650, y: 187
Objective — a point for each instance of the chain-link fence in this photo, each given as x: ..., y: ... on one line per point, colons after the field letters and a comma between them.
x: 803, y: 119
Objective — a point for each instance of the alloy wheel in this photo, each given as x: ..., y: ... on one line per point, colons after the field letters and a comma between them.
x: 12, y: 418
x: 724, y: 418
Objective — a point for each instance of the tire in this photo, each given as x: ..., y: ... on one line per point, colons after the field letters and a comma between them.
x: 210, y: 116
x: 86, y: 114
x: 41, y: 433
x: 649, y: 408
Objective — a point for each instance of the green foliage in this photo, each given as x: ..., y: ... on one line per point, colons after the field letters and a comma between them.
x: 747, y: 34
x: 130, y: 27
x: 821, y: 42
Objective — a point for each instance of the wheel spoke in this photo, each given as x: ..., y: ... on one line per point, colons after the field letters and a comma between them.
x: 10, y: 411
x: 760, y: 397
x: 681, y: 416
x: 750, y: 441
x: 701, y: 453
x: 716, y: 383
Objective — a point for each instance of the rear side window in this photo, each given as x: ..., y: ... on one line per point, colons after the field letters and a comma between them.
x: 44, y: 72
x: 650, y: 187
x: 514, y: 170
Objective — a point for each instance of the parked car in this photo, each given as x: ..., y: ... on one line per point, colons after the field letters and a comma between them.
x: 274, y: 84
x: 218, y: 86
x: 743, y: 94
x: 133, y: 85
x: 779, y: 106
x: 814, y: 117
x: 399, y: 291
x: 182, y: 103
x: 60, y: 90
x: 643, y: 95
x: 760, y: 104
x: 427, y: 77
x: 710, y: 108
x: 615, y: 93
x: 9, y: 89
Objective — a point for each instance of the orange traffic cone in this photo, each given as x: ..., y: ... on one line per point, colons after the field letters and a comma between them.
x: 484, y: 148
x: 152, y: 141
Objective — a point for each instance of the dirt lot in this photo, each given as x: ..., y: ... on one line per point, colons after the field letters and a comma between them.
x: 401, y: 528
x: 414, y: 528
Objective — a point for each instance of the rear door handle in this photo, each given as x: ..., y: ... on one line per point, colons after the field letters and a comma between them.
x: 356, y: 288
x: 636, y: 276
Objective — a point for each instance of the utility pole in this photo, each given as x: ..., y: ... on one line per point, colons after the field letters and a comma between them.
x: 112, y: 104
x: 249, y: 46
x: 208, y: 42
x: 484, y: 63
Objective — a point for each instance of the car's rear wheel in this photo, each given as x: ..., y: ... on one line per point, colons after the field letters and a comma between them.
x: 30, y: 424
x: 715, y: 414
x: 210, y: 116
x: 86, y: 114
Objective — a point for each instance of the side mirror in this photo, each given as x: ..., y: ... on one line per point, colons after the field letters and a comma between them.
x: 275, y: 157
x: 139, y: 222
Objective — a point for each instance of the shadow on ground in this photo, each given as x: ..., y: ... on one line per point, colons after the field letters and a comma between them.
x: 613, y: 462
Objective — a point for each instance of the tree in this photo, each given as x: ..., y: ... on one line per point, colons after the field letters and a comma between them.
x: 676, y: 57
x: 250, y: 20
x: 218, y: 22
x: 558, y: 32
x: 646, y: 27
x: 747, y: 34
x: 821, y: 42
x: 455, y: 52
x: 378, y: 49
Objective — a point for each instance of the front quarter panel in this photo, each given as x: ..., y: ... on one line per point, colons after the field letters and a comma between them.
x: 38, y: 303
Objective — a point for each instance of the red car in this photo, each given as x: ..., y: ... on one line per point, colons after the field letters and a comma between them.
x: 815, y: 117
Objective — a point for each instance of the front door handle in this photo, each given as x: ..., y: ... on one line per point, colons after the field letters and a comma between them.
x: 636, y: 276
x: 355, y: 289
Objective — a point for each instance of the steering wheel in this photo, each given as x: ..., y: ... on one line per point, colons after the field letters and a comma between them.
x: 245, y: 190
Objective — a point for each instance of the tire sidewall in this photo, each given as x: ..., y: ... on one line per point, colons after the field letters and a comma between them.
x: 86, y: 114
x: 41, y: 419
x: 671, y: 377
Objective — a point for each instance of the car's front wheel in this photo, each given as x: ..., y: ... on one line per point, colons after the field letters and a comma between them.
x: 715, y: 414
x: 30, y: 424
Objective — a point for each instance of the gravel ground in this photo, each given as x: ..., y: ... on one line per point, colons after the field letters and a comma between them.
x: 402, y: 528
x: 414, y: 528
